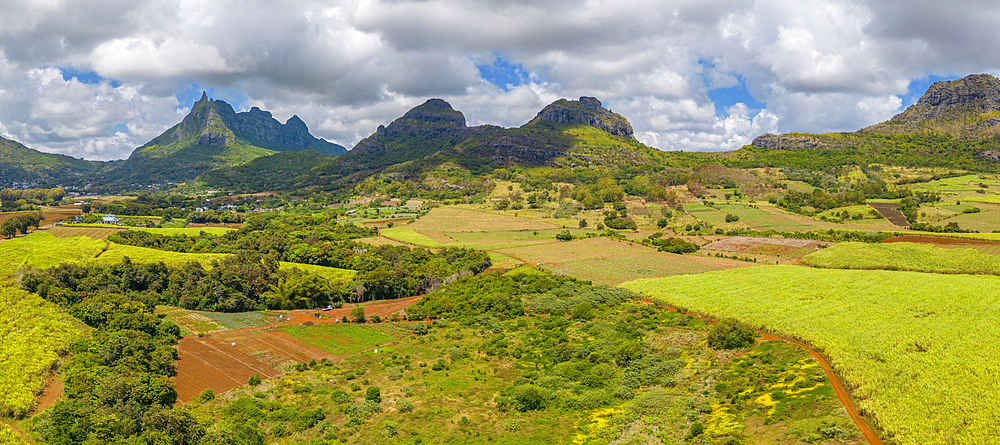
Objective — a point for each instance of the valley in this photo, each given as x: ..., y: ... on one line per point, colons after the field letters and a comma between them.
x: 558, y: 282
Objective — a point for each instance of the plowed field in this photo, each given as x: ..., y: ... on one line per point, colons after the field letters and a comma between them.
x: 225, y: 360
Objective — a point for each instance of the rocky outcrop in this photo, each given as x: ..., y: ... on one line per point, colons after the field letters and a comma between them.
x: 975, y: 94
x: 790, y: 142
x: 586, y: 111
x: 214, y: 122
x: 435, y: 124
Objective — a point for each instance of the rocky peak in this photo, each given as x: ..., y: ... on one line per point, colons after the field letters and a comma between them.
x: 975, y: 94
x: 586, y: 111
x: 214, y: 122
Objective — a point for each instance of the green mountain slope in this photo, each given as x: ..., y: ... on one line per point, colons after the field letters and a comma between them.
x: 213, y: 135
x: 20, y: 164
x: 955, y: 124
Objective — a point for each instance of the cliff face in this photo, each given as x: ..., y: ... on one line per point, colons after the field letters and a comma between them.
x: 975, y: 94
x: 586, y: 111
x: 214, y: 122
x: 967, y: 108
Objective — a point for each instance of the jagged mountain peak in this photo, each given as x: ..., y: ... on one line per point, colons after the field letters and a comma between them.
x: 587, y: 111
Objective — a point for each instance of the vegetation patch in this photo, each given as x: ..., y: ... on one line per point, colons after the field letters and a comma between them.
x: 904, y: 256
x: 944, y: 347
x: 35, y: 334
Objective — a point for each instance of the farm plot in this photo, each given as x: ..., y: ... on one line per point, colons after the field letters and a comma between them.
x: 992, y: 248
x: 188, y: 231
x: 460, y: 219
x: 905, y: 256
x: 35, y: 333
x: 890, y: 211
x: 96, y: 233
x: 985, y: 221
x: 200, y: 322
x: 917, y: 348
x: 42, y: 250
x: 206, y: 362
x: 797, y: 248
x: 340, y: 339
x: 608, y: 261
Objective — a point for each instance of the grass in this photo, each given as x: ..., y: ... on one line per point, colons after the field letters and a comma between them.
x: 410, y: 236
x: 340, y: 339
x: 35, y: 334
x: 617, y: 270
x: 904, y: 256
x: 918, y: 348
x: 143, y: 255
x: 42, y: 250
x: 188, y: 231
x: 200, y: 322
x: 464, y: 219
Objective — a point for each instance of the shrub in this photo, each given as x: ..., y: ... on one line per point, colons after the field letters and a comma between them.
x: 731, y: 334
x: 358, y: 314
x: 373, y: 394
x: 582, y: 311
x: 206, y: 395
x: 254, y: 380
x: 404, y: 406
x: 339, y: 396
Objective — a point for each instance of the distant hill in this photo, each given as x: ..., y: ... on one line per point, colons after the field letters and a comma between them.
x: 955, y: 124
x: 23, y: 165
x: 566, y: 133
x: 213, y: 135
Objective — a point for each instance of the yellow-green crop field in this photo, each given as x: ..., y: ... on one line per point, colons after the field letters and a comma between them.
x: 143, y: 255
x: 35, y: 333
x: 189, y: 231
x: 42, y: 250
x: 904, y: 256
x: 7, y: 435
x: 918, y: 349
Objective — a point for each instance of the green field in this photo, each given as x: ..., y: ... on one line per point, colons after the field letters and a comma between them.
x: 956, y: 184
x: 617, y: 270
x: 42, y: 250
x: 984, y: 221
x: 918, y: 349
x: 35, y: 333
x: 904, y: 256
x: 200, y: 322
x: 188, y: 231
x: 143, y: 255
x: 341, y: 338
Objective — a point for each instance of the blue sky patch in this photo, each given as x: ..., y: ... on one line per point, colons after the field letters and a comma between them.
x: 918, y: 87
x: 503, y: 73
x: 188, y: 96
x: 87, y: 77
x: 726, y: 97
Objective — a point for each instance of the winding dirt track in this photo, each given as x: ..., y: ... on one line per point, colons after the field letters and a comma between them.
x: 838, y: 386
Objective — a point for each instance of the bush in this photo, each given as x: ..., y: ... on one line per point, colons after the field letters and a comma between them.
x: 254, y: 380
x: 358, y: 314
x: 420, y: 329
x: 731, y: 334
x: 339, y: 396
x: 206, y: 395
x: 582, y: 311
x: 373, y: 394
x: 404, y: 406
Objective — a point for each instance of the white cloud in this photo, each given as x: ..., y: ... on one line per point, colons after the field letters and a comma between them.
x: 346, y: 66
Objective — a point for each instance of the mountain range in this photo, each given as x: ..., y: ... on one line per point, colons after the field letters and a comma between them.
x: 955, y: 123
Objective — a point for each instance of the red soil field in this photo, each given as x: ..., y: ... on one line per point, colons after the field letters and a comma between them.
x: 939, y: 240
x: 214, y: 362
x: 890, y: 211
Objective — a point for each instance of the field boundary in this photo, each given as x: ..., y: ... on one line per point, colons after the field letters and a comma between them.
x: 838, y: 386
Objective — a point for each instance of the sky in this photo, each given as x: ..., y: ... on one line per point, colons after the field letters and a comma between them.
x: 97, y: 78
